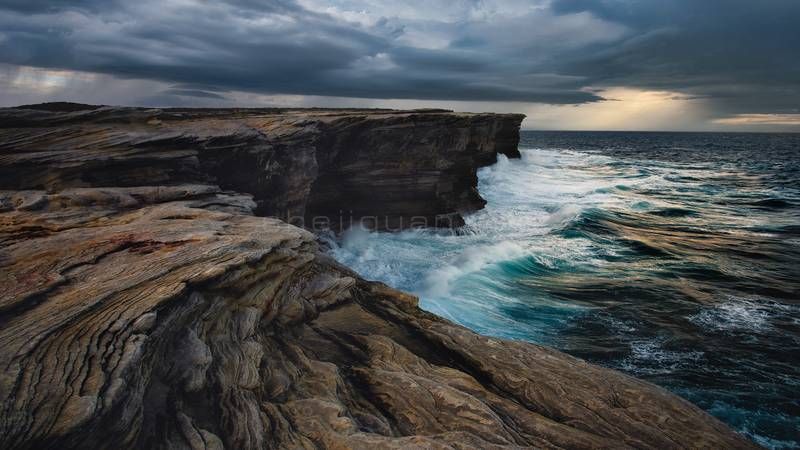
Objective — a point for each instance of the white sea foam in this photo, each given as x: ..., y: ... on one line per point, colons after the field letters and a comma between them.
x: 749, y: 314
x: 564, y: 215
x: 649, y: 357
x: 527, y: 199
x: 473, y: 259
x: 457, y: 276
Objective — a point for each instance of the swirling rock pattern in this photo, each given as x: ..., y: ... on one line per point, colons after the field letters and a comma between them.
x: 149, y: 306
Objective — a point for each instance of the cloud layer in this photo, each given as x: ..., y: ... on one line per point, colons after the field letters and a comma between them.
x: 739, y: 56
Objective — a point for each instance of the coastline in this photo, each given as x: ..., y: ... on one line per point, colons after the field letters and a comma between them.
x: 152, y: 304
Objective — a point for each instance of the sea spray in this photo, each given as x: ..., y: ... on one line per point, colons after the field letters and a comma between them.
x: 648, y: 253
x: 471, y: 260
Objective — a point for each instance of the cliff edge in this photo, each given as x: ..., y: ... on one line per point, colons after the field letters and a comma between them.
x: 394, y: 169
x: 148, y: 303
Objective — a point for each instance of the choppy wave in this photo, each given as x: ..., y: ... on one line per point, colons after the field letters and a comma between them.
x: 678, y: 266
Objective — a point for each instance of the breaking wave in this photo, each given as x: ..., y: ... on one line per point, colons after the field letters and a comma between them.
x: 676, y: 265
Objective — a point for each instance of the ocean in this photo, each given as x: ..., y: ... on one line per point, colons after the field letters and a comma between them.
x: 674, y: 257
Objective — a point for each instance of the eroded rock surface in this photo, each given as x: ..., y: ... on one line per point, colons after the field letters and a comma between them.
x: 340, y: 165
x: 170, y: 316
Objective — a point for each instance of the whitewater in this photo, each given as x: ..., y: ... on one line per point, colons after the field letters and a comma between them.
x: 671, y: 257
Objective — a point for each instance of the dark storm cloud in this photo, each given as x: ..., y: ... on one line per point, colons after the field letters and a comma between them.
x: 40, y: 6
x: 266, y: 47
x: 740, y: 55
x: 218, y: 46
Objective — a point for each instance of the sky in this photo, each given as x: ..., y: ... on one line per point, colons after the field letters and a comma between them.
x: 694, y: 65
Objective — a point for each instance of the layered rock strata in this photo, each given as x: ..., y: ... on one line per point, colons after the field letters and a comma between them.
x: 397, y: 168
x: 143, y: 308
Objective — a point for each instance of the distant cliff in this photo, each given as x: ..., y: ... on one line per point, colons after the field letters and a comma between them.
x: 147, y: 303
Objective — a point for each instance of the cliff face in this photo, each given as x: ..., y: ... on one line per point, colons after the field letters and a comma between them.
x: 142, y: 310
x: 394, y: 167
x: 398, y: 169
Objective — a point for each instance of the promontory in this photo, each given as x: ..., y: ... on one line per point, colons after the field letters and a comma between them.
x: 161, y: 289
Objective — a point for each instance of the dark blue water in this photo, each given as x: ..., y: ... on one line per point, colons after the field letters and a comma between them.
x: 674, y: 257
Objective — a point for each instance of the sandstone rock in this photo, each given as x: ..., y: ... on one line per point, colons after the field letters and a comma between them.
x: 336, y: 165
x: 138, y: 315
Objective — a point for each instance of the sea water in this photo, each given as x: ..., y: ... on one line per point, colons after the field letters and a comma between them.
x: 674, y: 257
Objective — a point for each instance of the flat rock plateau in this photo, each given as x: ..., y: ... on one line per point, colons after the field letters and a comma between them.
x: 152, y: 297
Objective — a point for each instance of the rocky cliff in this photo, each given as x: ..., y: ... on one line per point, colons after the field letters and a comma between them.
x: 147, y: 302
x: 338, y: 166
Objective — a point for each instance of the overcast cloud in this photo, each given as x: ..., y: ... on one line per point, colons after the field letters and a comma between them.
x: 736, y: 58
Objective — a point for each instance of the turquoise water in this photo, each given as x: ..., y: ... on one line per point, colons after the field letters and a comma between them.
x: 672, y: 257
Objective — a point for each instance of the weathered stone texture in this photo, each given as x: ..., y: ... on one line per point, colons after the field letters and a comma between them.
x: 145, y: 305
